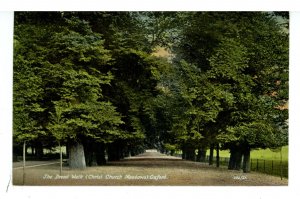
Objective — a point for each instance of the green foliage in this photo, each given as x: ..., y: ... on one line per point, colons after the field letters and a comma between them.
x: 91, y: 76
x: 65, y: 81
x: 228, y: 66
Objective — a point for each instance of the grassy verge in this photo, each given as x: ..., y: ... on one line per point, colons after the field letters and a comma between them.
x: 262, y: 160
x: 265, y: 154
x: 266, y: 161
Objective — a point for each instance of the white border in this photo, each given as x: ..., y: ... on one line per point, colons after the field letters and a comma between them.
x: 145, y: 192
x: 150, y: 5
x: 294, y: 101
x: 6, y: 49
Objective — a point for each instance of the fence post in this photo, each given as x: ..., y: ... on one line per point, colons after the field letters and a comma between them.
x: 281, y: 163
x: 60, y: 159
x: 250, y: 164
x: 272, y: 167
x: 281, y: 171
x: 256, y: 164
x: 264, y: 166
x: 24, y: 161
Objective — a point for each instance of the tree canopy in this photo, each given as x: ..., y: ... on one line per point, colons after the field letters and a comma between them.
x: 93, y: 79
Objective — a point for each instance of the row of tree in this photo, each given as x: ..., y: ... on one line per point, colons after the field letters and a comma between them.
x: 93, y: 81
x: 232, y: 85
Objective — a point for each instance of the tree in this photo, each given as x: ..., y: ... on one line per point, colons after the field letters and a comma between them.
x: 70, y: 61
x: 91, y: 80
x: 242, y: 57
x: 27, y: 91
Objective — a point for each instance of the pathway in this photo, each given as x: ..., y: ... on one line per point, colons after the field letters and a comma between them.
x: 150, y: 168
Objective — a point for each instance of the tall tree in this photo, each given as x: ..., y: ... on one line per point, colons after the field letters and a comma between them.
x: 70, y: 60
x: 243, y: 56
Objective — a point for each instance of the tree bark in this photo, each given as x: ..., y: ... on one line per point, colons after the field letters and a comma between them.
x: 76, y: 156
x: 89, y: 153
x: 132, y: 152
x: 94, y: 153
x: 172, y: 152
x: 211, y: 154
x: 218, y: 155
x: 26, y: 150
x: 231, y: 159
x: 114, y: 152
x: 32, y: 150
x: 235, y: 160
x: 183, y: 153
x: 190, y: 154
x: 39, y: 152
x: 67, y: 150
x: 126, y: 152
x: 238, y: 163
x: 60, y: 158
x: 201, y: 154
x: 246, y: 160
x: 100, y: 154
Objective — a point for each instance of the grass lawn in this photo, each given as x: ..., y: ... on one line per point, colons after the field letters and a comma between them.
x: 266, y: 161
x: 265, y: 154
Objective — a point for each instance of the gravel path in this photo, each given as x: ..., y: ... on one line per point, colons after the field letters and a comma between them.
x: 152, y: 155
x: 150, y: 168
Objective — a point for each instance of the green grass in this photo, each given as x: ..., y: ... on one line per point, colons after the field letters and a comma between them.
x: 265, y: 161
x: 262, y: 160
x: 265, y: 154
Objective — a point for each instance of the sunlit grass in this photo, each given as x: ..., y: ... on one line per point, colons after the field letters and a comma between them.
x: 265, y: 154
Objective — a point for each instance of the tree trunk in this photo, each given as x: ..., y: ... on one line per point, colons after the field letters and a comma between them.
x: 218, y: 156
x: 132, y: 152
x: 183, y: 153
x: 39, y: 152
x: 100, y: 154
x: 89, y: 153
x: 60, y: 159
x: 172, y: 152
x: 201, y: 154
x: 67, y: 150
x: 190, y: 154
x: 126, y: 152
x: 246, y: 160
x: 211, y: 154
x: 94, y: 153
x: 113, y: 152
x: 76, y: 156
x: 235, y: 159
x: 17, y: 151
x: 238, y: 163
x: 26, y: 150
x: 198, y: 157
x: 121, y: 152
x: 32, y: 150
x: 231, y: 159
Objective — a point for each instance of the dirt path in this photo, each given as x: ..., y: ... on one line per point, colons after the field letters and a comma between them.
x: 152, y: 155
x: 150, y: 168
